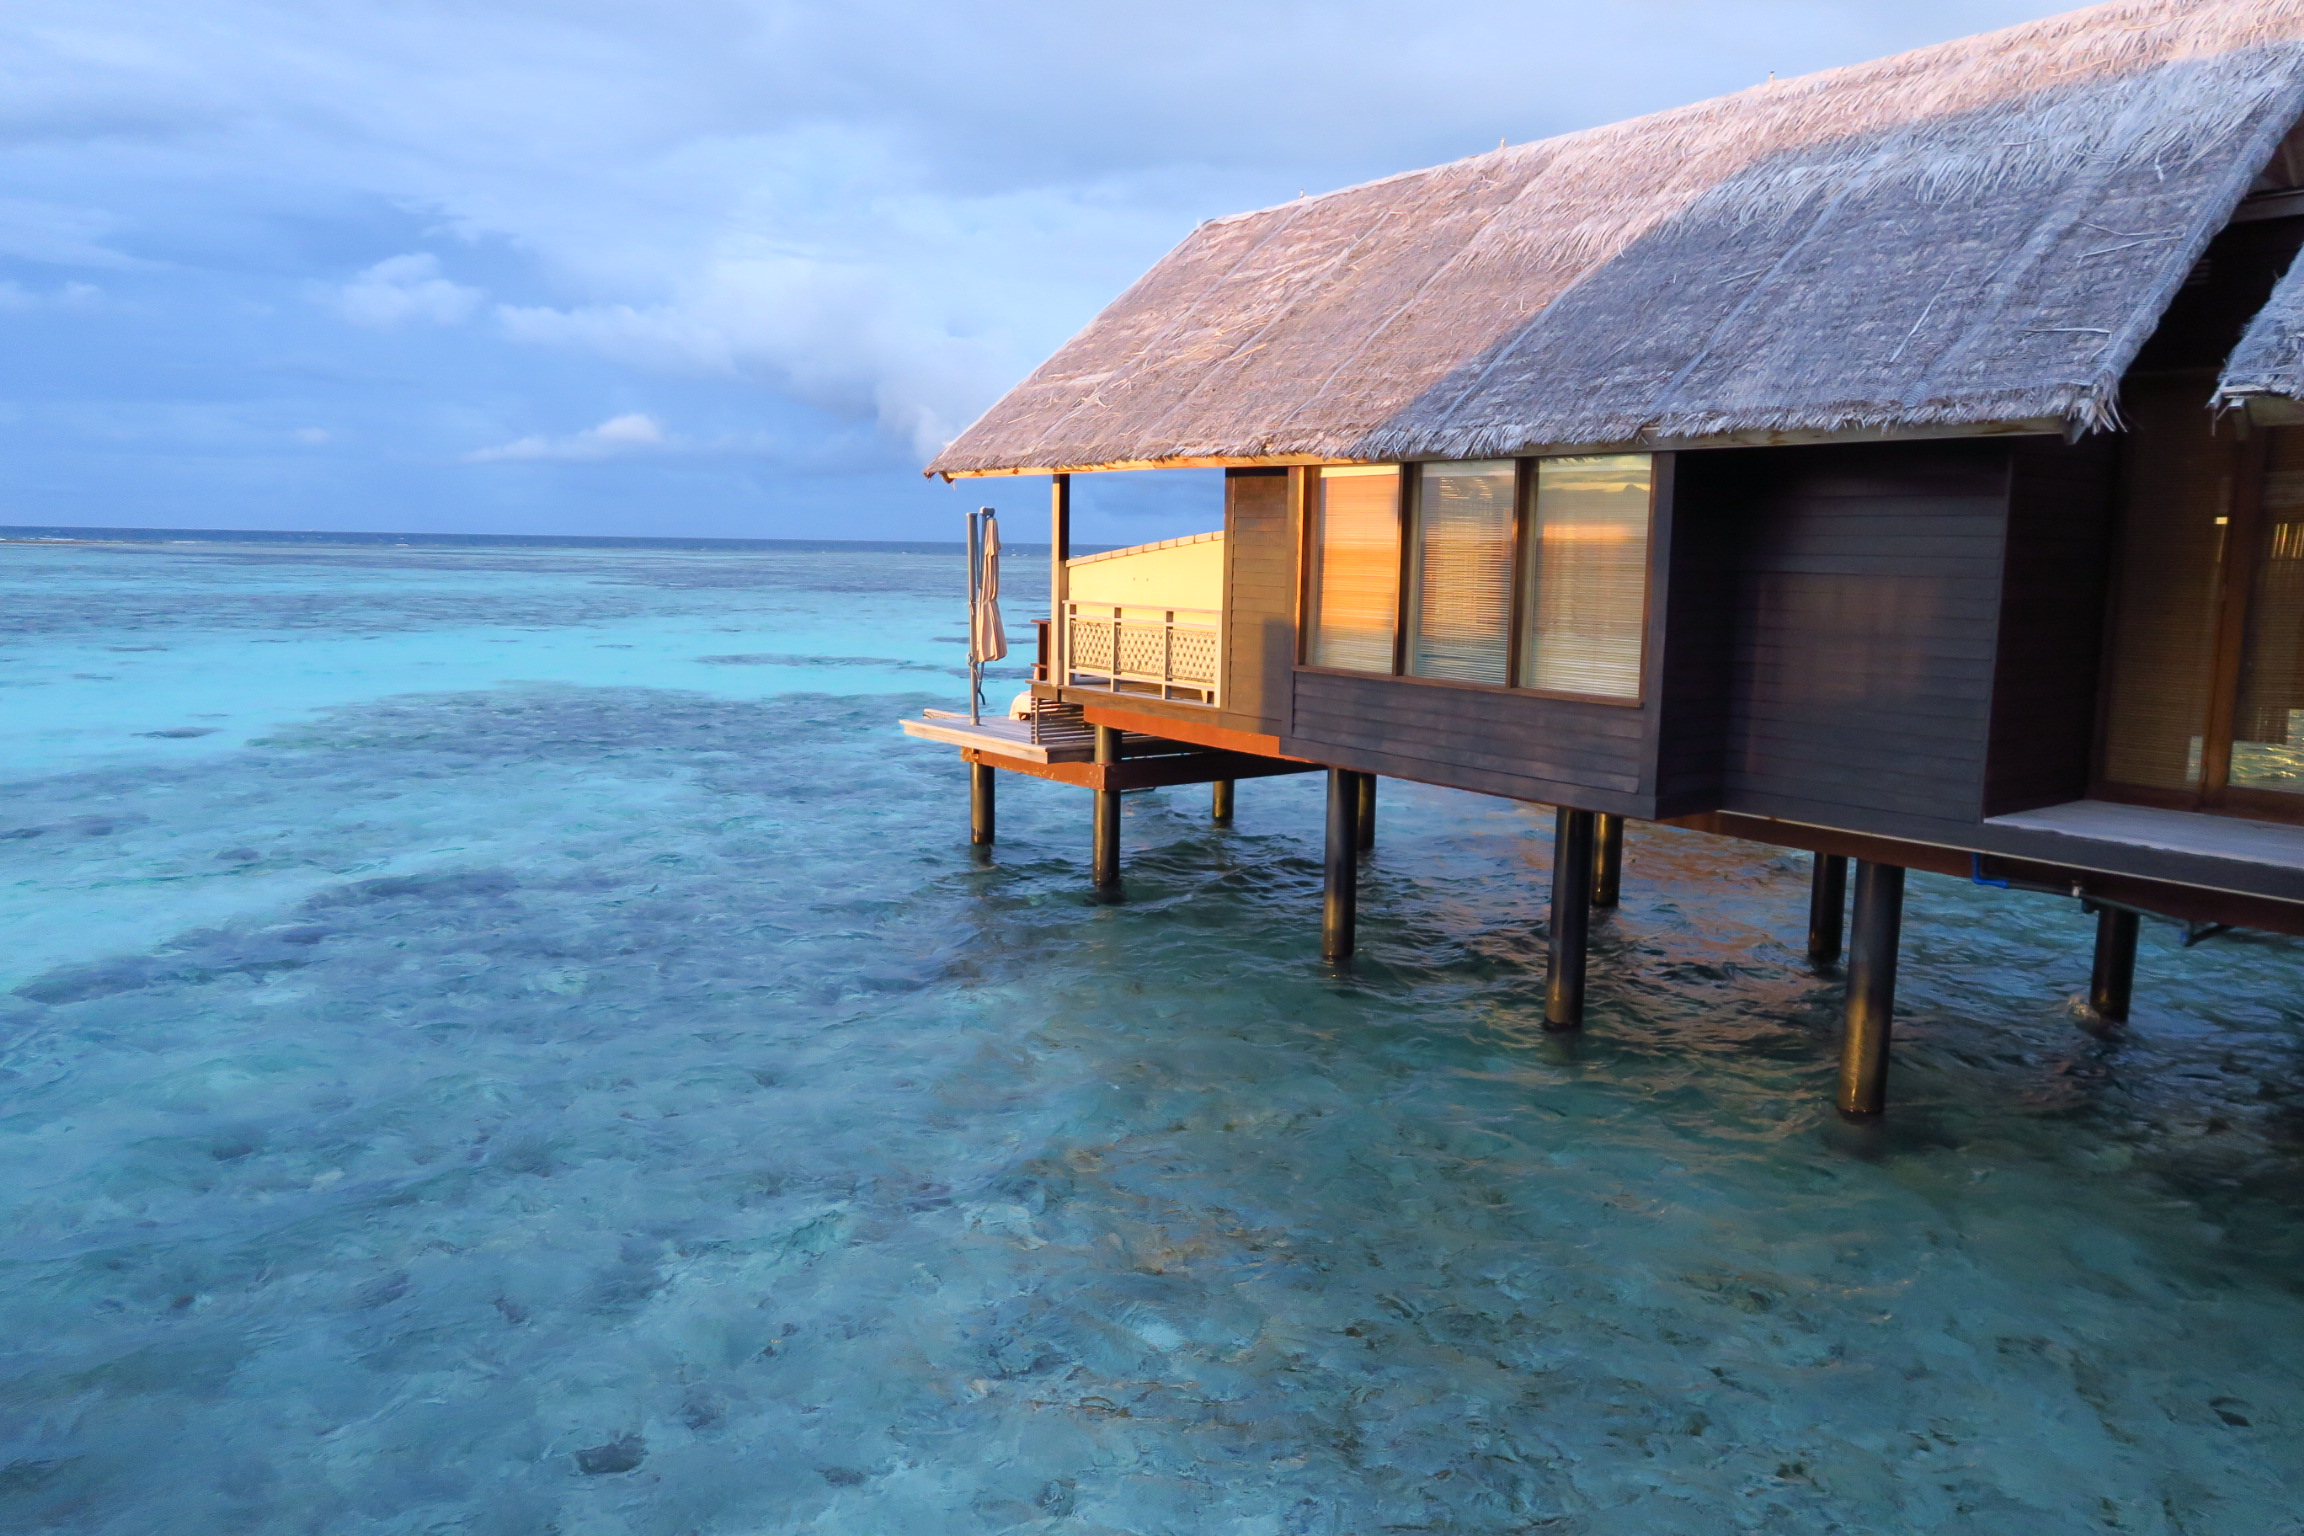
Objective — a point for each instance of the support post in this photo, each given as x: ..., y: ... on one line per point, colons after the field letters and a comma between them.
x: 1827, y: 907
x: 1871, y: 1008
x: 1364, y: 814
x: 1572, y: 840
x: 1059, y: 578
x: 980, y: 803
x: 2114, y: 977
x: 1220, y: 803
x: 1107, y: 858
x: 1607, y: 859
x: 1339, y: 908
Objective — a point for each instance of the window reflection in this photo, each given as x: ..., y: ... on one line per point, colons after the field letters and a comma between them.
x: 1356, y: 578
x: 1460, y: 579
x: 1588, y: 576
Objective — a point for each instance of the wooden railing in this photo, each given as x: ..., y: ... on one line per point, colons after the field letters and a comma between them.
x: 1164, y: 653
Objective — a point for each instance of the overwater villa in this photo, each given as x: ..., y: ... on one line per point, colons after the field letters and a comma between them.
x: 1903, y: 463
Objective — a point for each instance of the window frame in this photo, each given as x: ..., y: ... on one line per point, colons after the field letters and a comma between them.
x: 1408, y: 518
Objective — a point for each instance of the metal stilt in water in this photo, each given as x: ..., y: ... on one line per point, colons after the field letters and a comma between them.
x: 1339, y: 907
x: 1107, y: 857
x: 980, y: 803
x: 1572, y: 842
x: 1827, y: 907
x: 1364, y: 814
x: 1871, y: 1008
x: 1607, y: 859
x: 1220, y: 803
x: 2114, y: 976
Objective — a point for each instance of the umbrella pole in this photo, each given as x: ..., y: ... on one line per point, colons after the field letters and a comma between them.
x: 975, y: 587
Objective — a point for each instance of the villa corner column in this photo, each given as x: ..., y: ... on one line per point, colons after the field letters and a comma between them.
x: 981, y: 779
x: 1878, y: 927
x: 2114, y: 975
x: 1339, y: 908
x: 1059, y: 578
x: 1106, y: 863
x: 1572, y: 844
x: 1827, y: 907
x: 1364, y: 814
x: 1220, y: 803
x: 1607, y: 860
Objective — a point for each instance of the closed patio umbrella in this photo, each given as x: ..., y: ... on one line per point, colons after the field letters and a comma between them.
x: 987, y: 636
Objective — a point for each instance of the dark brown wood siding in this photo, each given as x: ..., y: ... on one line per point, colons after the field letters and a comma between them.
x: 1867, y: 610
x: 2052, y: 597
x: 1593, y: 756
x: 1260, y: 586
x: 1697, y: 677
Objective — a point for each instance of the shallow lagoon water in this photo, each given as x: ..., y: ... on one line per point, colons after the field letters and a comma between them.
x: 547, y: 1062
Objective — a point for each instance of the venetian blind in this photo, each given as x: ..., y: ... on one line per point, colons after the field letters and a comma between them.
x: 1587, y: 589
x: 1460, y: 577
x: 1356, y: 586
x: 2177, y: 494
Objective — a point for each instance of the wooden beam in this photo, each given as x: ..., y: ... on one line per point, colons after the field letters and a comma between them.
x: 1200, y: 733
x: 1143, y: 772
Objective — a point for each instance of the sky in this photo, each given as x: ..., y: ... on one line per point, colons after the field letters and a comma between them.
x: 723, y: 268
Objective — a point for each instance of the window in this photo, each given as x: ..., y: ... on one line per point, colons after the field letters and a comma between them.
x: 1356, y: 571
x: 1528, y: 573
x: 1460, y: 572
x: 1587, y: 585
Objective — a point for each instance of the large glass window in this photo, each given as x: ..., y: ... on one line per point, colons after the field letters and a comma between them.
x: 1587, y: 585
x: 1460, y: 572
x: 1356, y: 571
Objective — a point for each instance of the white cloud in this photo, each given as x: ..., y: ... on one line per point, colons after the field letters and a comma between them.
x: 618, y: 435
x: 313, y: 435
x: 404, y: 288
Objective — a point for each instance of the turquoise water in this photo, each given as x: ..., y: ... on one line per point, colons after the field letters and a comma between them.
x: 544, y: 1060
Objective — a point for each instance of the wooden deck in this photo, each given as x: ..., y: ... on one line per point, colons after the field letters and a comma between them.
x: 1069, y: 755
x: 2185, y: 832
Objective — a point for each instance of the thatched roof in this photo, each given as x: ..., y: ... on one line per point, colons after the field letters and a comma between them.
x: 1981, y: 232
x: 2270, y: 357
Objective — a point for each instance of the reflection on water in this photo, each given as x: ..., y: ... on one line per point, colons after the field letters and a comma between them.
x: 618, y: 1103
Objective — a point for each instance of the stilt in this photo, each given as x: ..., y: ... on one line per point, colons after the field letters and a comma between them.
x: 1364, y: 821
x: 1607, y: 859
x: 980, y: 803
x: 1871, y: 989
x: 2115, y: 973
x: 1220, y: 803
x: 1339, y: 910
x: 1572, y: 841
x: 1107, y: 858
x: 1827, y: 906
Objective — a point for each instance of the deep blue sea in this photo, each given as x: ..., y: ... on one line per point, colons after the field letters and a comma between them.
x: 512, y: 1040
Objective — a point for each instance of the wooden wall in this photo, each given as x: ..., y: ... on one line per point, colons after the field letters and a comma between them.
x: 1260, y: 580
x: 1866, y: 605
x: 2053, y: 597
x: 1594, y: 756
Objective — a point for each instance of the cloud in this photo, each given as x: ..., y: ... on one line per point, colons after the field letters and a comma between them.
x: 16, y: 296
x: 618, y: 435
x: 59, y: 234
x: 408, y: 288
x: 847, y: 224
